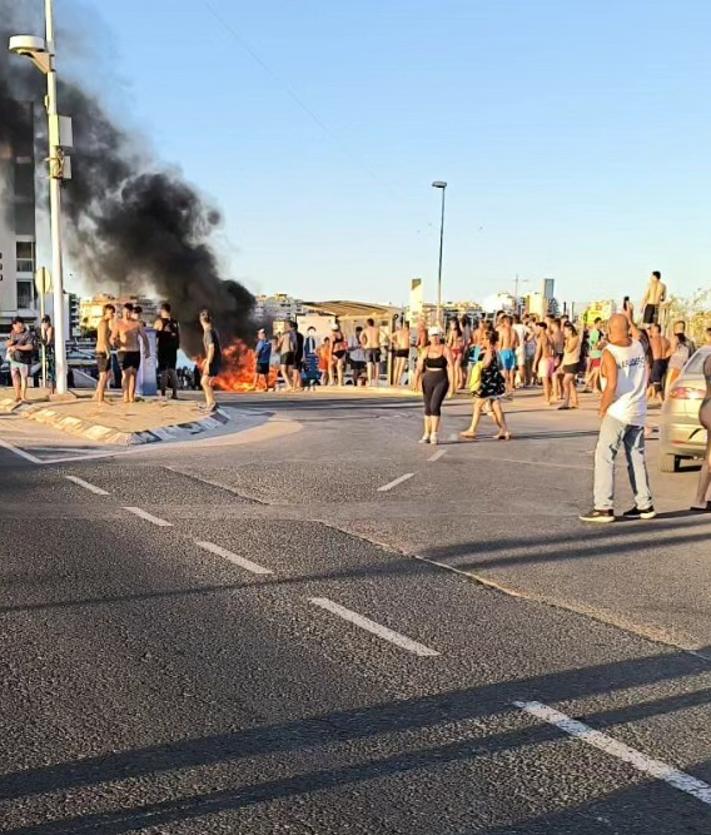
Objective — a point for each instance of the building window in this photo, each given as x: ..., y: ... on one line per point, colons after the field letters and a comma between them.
x: 25, y: 252
x: 25, y: 295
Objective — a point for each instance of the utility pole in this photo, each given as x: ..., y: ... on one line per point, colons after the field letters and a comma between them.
x: 41, y: 52
x: 56, y: 175
x: 440, y: 184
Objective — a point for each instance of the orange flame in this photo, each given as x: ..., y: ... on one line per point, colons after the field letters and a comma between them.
x: 239, y: 368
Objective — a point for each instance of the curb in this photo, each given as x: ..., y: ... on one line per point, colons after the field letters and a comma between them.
x: 107, y: 435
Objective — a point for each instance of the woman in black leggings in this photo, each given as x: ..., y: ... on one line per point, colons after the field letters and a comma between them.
x: 435, y: 369
x: 703, y: 493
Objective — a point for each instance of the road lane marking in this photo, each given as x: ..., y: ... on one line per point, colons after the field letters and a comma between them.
x: 92, y: 488
x: 19, y: 452
x: 655, y: 768
x: 161, y: 523
x: 371, y: 626
x: 248, y: 565
x: 437, y: 455
x: 391, y: 484
x: 453, y: 437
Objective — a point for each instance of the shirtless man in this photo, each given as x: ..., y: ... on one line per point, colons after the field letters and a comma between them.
x: 370, y: 340
x: 129, y: 336
x: 104, y: 341
x: 654, y: 295
x: 544, y: 362
x: 402, y: 352
x: 661, y: 351
x: 508, y: 343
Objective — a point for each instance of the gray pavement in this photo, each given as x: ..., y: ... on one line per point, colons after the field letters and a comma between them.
x: 156, y: 679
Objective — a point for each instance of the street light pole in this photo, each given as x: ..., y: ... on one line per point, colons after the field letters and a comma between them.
x: 440, y: 184
x: 56, y: 173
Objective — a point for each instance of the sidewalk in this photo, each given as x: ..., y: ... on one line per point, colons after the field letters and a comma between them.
x: 115, y: 422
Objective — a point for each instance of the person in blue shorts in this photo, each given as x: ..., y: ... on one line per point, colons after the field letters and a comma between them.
x: 508, y: 342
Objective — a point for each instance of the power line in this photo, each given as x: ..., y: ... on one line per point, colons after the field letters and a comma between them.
x: 232, y: 31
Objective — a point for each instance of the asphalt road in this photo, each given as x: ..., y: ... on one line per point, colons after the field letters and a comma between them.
x: 318, y: 626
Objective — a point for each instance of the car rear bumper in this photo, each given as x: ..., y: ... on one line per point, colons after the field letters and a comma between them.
x: 684, y: 438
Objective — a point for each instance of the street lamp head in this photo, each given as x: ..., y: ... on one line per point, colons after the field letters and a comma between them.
x: 32, y: 47
x: 439, y: 184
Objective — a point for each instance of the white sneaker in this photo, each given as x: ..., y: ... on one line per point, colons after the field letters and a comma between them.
x: 425, y: 439
x: 433, y: 439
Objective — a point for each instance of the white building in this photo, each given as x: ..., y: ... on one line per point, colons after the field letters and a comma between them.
x: 17, y: 228
x: 278, y: 307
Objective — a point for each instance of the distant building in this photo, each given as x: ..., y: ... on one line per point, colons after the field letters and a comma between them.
x: 280, y: 306
x: 17, y: 226
x: 73, y: 314
x: 91, y: 310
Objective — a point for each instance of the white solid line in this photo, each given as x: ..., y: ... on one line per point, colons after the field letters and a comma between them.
x: 20, y: 452
x: 390, y: 485
x: 655, y: 768
x: 161, y: 523
x: 85, y: 484
x: 371, y: 626
x: 437, y: 455
x: 228, y: 555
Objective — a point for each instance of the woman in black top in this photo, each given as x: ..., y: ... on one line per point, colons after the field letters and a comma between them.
x: 435, y: 369
x: 703, y: 492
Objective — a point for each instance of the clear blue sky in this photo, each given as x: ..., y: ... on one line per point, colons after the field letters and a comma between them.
x: 575, y: 136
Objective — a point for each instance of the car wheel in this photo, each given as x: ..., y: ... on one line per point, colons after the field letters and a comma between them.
x: 668, y: 462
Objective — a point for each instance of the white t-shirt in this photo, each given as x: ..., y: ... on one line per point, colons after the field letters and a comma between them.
x: 630, y: 403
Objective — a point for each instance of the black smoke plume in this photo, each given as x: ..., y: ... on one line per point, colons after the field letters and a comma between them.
x: 129, y: 223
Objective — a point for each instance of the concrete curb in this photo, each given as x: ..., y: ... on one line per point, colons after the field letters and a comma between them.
x: 107, y: 435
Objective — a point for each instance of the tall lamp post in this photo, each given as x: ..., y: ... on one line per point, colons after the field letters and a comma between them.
x: 41, y: 52
x: 440, y: 184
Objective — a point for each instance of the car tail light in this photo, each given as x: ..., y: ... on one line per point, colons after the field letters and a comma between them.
x: 687, y: 393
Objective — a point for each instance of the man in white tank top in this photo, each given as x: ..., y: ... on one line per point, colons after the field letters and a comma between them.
x: 623, y: 410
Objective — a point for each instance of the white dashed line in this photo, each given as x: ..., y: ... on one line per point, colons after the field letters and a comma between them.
x: 654, y: 768
x: 390, y: 485
x: 437, y: 455
x: 378, y: 629
x: 92, y: 488
x: 242, y: 562
x: 154, y: 520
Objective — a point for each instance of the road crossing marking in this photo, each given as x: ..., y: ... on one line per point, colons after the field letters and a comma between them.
x: 19, y: 452
x: 248, y: 565
x: 391, y: 484
x: 437, y: 455
x: 655, y: 768
x: 378, y: 629
x: 86, y: 485
x: 155, y: 520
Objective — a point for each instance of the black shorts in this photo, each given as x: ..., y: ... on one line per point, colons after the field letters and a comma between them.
x: 357, y: 365
x: 288, y: 358
x: 659, y: 369
x: 372, y: 355
x: 570, y: 369
x: 402, y: 353
x: 103, y: 363
x: 167, y: 363
x: 263, y: 368
x: 214, y: 368
x: 650, y: 314
x: 130, y: 360
x: 339, y: 354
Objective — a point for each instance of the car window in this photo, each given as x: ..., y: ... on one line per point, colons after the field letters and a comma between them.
x: 696, y: 363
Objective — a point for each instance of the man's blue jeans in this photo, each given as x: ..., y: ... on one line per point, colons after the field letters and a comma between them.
x: 614, y: 434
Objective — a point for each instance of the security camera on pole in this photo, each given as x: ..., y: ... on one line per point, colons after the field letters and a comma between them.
x: 41, y: 53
